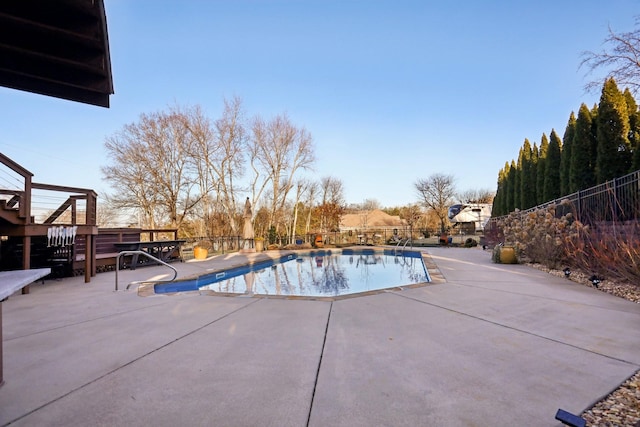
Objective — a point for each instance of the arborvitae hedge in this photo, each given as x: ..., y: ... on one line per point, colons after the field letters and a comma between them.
x: 614, y: 150
x: 551, y: 189
x: 597, y: 146
x: 566, y: 149
x: 581, y: 171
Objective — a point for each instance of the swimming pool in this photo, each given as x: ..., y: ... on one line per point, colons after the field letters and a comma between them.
x: 323, y: 273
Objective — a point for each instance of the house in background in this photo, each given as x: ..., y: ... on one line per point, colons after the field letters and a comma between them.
x: 373, y: 226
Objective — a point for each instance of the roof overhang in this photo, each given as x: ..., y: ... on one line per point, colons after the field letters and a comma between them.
x: 57, y: 48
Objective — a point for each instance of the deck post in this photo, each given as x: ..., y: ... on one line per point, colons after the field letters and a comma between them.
x: 89, y: 256
x: 94, y: 254
x: 1, y: 345
x: 26, y: 258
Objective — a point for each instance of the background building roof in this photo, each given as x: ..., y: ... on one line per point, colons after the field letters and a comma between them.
x: 371, y: 219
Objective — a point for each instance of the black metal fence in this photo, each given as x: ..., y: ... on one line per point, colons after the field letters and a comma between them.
x: 617, y: 200
x: 225, y: 244
x: 220, y: 244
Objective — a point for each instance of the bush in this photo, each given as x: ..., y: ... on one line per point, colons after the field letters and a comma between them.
x: 470, y: 243
x: 608, y: 248
x: 541, y: 237
x: 273, y: 236
x: 294, y: 246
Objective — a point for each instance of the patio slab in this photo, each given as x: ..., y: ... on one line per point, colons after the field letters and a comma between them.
x: 491, y: 345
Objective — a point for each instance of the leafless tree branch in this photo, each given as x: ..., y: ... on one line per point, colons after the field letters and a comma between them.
x: 619, y: 58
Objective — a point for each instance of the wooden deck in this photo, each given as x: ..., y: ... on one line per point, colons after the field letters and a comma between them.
x: 65, y: 239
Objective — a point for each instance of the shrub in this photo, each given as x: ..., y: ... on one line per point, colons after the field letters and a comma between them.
x: 273, y: 236
x: 294, y: 246
x: 495, y: 255
x: 539, y: 236
x: 204, y: 244
x: 607, y: 248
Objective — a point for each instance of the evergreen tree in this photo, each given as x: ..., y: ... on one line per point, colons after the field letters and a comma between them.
x: 567, y: 140
x: 499, y: 201
x: 552, y: 168
x: 513, y: 189
x: 541, y: 166
x: 614, y: 150
x: 518, y: 198
x: 527, y: 176
x: 594, y: 138
x: 504, y: 200
x: 508, y: 190
x: 582, y: 175
x: 533, y: 173
x: 495, y: 205
x: 634, y: 129
x: 517, y: 194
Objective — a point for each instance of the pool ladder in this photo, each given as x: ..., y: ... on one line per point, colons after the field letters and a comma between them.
x: 148, y: 255
x: 403, y: 246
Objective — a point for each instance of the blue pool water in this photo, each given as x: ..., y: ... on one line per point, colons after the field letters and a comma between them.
x: 315, y: 274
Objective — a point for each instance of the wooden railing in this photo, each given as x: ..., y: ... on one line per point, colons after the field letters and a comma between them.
x: 23, y: 196
x: 22, y: 223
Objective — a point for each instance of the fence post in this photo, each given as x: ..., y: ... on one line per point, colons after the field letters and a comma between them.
x: 579, y: 210
x: 617, y: 200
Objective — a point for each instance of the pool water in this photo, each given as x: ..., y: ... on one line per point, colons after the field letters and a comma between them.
x: 313, y: 274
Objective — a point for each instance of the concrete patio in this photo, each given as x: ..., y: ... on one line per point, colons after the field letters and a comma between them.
x: 484, y: 345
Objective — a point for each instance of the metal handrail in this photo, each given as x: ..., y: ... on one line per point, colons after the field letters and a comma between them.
x: 403, y: 246
x: 397, y: 244
x: 148, y: 255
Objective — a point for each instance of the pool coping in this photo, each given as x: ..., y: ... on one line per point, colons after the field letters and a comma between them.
x: 435, y: 276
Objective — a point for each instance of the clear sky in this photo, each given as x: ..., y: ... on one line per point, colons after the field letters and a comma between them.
x: 391, y: 91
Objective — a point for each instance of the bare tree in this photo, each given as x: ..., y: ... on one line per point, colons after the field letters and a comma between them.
x: 110, y: 216
x: 151, y: 169
x: 312, y: 193
x: 232, y: 140
x: 331, y: 206
x: 371, y: 204
x: 302, y: 186
x: 278, y: 151
x: 620, y: 58
x: 219, y: 158
x: 411, y: 214
x: 436, y: 193
x: 179, y: 166
x: 202, y: 155
x: 430, y: 222
x: 476, y: 196
x: 128, y: 178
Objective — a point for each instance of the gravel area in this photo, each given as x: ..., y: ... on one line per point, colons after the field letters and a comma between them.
x: 622, y: 406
